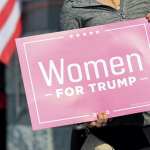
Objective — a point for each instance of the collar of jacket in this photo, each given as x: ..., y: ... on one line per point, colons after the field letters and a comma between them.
x: 87, y: 3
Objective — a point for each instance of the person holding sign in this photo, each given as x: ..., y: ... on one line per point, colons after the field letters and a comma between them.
x: 123, y: 133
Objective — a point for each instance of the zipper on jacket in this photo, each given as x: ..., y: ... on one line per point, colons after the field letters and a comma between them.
x: 122, y: 9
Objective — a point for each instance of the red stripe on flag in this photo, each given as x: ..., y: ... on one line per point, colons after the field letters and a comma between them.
x: 10, y: 46
x: 6, y: 11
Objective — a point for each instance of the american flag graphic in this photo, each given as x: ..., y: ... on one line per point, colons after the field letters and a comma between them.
x: 10, y: 28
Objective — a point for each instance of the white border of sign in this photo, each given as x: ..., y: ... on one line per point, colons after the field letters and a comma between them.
x: 71, y: 36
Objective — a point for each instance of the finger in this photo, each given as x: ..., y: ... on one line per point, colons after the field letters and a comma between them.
x: 98, y: 125
x: 148, y: 16
x: 105, y: 118
x: 92, y: 124
x: 102, y: 118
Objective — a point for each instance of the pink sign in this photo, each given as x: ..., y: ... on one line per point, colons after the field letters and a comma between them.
x: 70, y: 76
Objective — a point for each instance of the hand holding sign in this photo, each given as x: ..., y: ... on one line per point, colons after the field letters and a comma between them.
x: 102, y: 119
